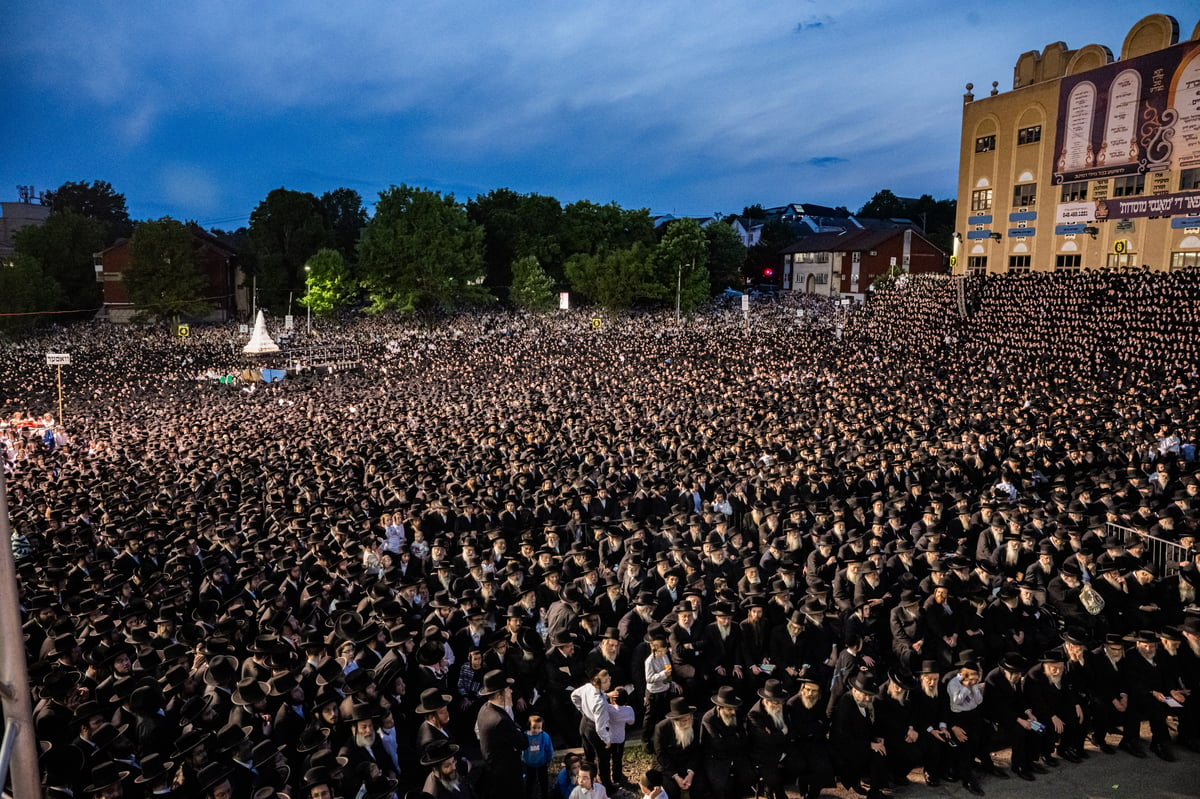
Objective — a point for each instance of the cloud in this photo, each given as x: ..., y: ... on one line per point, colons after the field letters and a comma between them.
x: 825, y: 160
x: 135, y: 126
x: 189, y: 188
x: 813, y: 23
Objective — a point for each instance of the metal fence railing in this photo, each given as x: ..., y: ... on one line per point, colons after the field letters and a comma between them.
x: 1165, y: 555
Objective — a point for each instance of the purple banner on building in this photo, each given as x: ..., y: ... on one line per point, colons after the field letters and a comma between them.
x: 1156, y: 205
x: 1130, y: 117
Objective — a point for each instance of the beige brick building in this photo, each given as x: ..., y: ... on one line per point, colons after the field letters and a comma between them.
x: 1090, y: 161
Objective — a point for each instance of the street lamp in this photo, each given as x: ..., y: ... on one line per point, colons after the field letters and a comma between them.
x: 307, y: 270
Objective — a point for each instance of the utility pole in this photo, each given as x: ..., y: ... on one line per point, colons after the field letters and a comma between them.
x: 19, y: 747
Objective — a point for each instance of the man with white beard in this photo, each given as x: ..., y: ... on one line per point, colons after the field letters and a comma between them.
x: 770, y: 737
x: 364, y: 750
x: 808, y: 719
x: 443, y: 781
x: 677, y: 750
x: 724, y: 743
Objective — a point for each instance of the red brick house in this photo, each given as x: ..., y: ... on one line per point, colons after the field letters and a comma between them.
x: 845, y: 263
x: 214, y: 258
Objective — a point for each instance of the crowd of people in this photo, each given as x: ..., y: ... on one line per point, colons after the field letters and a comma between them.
x: 783, y: 555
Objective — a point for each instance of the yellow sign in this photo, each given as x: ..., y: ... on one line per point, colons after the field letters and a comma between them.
x: 1120, y: 246
x: 953, y: 261
x: 597, y: 323
x: 183, y: 331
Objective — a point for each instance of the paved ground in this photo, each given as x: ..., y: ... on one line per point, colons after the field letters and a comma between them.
x: 1101, y: 776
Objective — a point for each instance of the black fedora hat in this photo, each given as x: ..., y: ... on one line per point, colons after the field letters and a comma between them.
x: 773, y: 691
x: 726, y: 697
x: 680, y: 708
x: 432, y: 700
x: 494, y: 682
x: 103, y: 775
x: 438, y: 751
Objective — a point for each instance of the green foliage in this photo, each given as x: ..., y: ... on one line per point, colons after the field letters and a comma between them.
x: 516, y: 226
x: 726, y: 256
x: 346, y: 217
x: 532, y: 288
x: 25, y: 288
x: 97, y: 200
x: 598, y: 229
x: 286, y: 229
x: 328, y: 287
x: 616, y: 279
x: 63, y: 248
x: 884, y: 205
x: 776, y: 235
x: 420, y: 250
x: 755, y: 211
x: 681, y: 262
x: 163, y: 278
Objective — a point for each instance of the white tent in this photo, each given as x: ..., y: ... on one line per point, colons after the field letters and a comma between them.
x: 260, y: 341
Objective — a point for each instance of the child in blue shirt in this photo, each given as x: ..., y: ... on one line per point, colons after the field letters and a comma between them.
x: 537, y: 758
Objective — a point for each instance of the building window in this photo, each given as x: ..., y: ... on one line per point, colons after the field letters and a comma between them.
x: 1024, y: 195
x: 985, y: 144
x: 977, y: 265
x: 981, y: 200
x: 1018, y: 263
x: 1189, y: 179
x: 1121, y: 260
x: 1074, y: 191
x: 1129, y: 186
x: 1068, y: 263
x: 1029, y: 135
x: 1185, y: 260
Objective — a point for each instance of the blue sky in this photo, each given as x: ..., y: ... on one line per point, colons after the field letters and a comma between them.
x: 198, y: 109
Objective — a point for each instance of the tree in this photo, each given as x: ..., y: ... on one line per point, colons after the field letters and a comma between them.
x: 163, y: 279
x: 616, y: 279
x: 726, y: 256
x: 754, y: 211
x: 420, y: 250
x: 286, y: 229
x: 328, y: 285
x: 517, y: 225
x: 598, y: 229
x: 776, y: 234
x: 532, y: 288
x: 345, y: 217
x: 64, y: 247
x: 681, y: 263
x: 24, y: 289
x: 884, y: 205
x: 97, y: 200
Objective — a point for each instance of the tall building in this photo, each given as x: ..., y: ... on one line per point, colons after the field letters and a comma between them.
x: 1088, y: 162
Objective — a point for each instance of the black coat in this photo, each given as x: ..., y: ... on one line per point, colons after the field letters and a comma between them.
x: 502, y: 742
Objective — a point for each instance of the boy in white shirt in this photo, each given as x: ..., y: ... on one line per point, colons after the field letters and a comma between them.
x: 588, y: 788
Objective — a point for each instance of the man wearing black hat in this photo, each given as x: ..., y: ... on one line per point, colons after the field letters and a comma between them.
x: 724, y: 744
x: 677, y: 750
x: 770, y: 738
x: 444, y: 780
x: 363, y: 751
x: 1007, y: 706
x: 856, y: 739
x: 1057, y: 706
x: 1150, y: 689
x: 500, y: 739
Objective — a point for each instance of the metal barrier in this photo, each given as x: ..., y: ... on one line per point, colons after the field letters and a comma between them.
x: 336, y: 357
x: 1165, y: 555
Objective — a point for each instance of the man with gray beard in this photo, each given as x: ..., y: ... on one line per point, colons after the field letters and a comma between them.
x: 857, y: 738
x: 770, y: 737
x: 677, y: 749
x: 724, y: 743
x: 809, y: 722
x: 443, y: 781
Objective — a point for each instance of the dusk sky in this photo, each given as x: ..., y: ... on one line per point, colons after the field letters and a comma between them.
x: 197, y: 110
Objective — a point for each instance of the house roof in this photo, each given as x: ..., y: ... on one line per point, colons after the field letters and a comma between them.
x: 847, y: 241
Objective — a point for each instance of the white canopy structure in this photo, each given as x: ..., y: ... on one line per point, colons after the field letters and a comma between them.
x: 260, y: 341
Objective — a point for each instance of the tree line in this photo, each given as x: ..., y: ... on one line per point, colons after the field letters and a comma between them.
x: 420, y: 249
